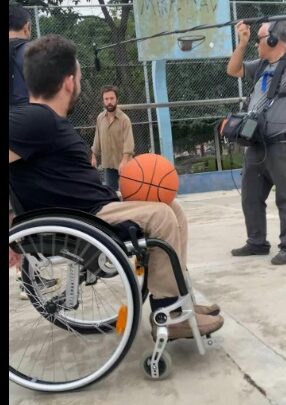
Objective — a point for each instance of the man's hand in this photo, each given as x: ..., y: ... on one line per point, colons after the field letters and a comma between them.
x: 93, y: 160
x: 14, y: 258
x: 124, y: 161
x: 243, y: 31
x: 121, y: 165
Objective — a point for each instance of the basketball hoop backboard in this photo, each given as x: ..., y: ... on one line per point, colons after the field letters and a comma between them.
x: 154, y: 16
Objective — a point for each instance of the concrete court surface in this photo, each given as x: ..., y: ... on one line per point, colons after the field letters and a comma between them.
x: 247, y: 366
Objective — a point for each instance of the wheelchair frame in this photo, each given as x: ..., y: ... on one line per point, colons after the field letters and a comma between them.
x: 136, y: 245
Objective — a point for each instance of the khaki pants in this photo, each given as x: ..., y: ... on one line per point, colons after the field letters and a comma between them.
x: 158, y: 220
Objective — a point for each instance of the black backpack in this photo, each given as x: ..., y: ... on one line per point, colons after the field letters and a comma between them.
x: 14, y: 46
x: 272, y: 119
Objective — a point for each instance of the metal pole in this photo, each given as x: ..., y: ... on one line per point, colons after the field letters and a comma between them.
x: 37, y: 22
x: 175, y: 104
x: 148, y: 100
x: 217, y: 151
x: 159, y: 77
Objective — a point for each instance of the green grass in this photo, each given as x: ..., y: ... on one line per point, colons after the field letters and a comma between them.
x: 232, y: 163
x: 201, y: 164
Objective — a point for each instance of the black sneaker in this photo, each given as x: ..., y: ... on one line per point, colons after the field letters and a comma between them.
x: 280, y: 258
x: 248, y: 250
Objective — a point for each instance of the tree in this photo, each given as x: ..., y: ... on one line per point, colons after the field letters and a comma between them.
x: 118, y: 27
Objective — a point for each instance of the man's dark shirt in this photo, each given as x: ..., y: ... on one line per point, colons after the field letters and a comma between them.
x: 55, y: 170
x: 19, y: 89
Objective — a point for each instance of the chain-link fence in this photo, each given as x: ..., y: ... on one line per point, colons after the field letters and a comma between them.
x: 192, y: 126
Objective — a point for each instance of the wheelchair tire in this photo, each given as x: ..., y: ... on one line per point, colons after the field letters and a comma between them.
x: 46, y: 357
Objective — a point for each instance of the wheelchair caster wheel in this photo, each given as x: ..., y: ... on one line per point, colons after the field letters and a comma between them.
x: 209, y: 339
x: 164, y: 365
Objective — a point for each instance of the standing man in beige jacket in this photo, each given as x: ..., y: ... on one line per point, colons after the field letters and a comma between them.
x: 113, y: 139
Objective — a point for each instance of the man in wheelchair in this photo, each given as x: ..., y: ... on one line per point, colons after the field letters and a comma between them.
x: 50, y: 167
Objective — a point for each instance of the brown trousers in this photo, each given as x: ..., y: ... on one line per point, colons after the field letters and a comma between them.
x: 158, y: 220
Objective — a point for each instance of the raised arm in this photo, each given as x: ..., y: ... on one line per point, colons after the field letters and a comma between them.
x: 235, y: 64
x: 128, y: 145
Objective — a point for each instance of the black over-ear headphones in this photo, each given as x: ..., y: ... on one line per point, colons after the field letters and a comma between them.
x: 272, y: 40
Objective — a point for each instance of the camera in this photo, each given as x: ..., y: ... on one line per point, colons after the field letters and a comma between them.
x: 241, y: 128
x: 249, y: 126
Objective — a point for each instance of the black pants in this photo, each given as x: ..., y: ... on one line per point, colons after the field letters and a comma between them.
x: 263, y: 168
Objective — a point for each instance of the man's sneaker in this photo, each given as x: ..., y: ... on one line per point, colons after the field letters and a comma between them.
x: 22, y: 293
x: 207, y: 309
x: 280, y: 258
x: 48, y: 285
x: 207, y: 324
x: 248, y: 250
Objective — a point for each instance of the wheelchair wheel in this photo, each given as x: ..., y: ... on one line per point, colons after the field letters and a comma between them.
x: 44, y: 356
x: 89, y: 285
x: 164, y: 365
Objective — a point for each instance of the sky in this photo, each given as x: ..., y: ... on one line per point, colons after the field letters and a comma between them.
x: 90, y: 10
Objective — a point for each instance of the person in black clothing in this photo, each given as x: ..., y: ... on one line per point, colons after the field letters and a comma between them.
x: 265, y: 163
x: 19, y: 35
x: 50, y: 167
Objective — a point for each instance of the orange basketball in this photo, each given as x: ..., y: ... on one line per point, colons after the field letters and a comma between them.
x: 149, y: 177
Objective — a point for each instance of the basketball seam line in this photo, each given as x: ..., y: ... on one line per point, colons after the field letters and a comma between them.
x: 143, y: 182
x: 154, y: 169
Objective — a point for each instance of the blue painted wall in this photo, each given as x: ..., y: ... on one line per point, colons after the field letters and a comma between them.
x: 210, y: 181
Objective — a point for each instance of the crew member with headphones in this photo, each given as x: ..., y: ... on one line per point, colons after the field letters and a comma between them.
x: 265, y: 162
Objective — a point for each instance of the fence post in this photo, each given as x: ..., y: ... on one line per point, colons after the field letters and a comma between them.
x: 163, y: 113
x: 37, y: 21
x: 217, y: 151
x: 148, y: 100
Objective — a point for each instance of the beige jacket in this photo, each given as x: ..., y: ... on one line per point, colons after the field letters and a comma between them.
x: 113, y: 140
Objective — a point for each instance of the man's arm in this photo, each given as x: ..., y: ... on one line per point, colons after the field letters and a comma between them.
x: 235, y: 65
x: 13, y: 156
x: 14, y: 258
x: 128, y: 146
x: 95, y: 149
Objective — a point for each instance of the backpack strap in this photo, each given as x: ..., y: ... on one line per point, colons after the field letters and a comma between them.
x: 276, y: 78
x: 262, y: 65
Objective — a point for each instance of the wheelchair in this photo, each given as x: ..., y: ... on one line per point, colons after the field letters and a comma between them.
x: 66, y: 339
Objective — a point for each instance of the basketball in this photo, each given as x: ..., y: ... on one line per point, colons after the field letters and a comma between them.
x: 149, y: 177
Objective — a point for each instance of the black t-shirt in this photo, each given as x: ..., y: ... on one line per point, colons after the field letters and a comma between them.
x: 19, y: 91
x: 55, y: 170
